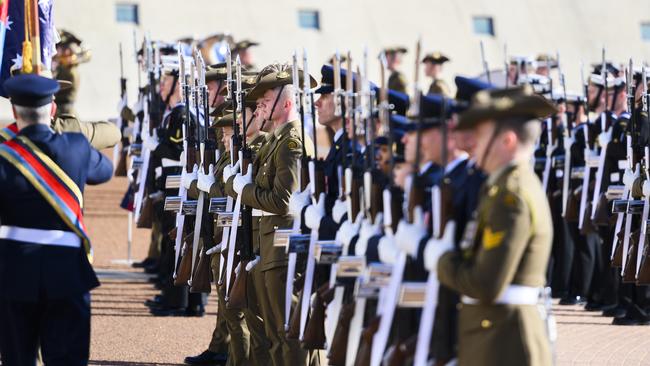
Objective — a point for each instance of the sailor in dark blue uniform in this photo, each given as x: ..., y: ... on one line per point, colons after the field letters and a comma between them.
x: 45, y: 274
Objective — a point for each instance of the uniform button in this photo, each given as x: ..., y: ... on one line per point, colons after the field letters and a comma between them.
x: 486, y: 324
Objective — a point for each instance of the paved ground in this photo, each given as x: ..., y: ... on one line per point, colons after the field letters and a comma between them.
x: 123, y: 333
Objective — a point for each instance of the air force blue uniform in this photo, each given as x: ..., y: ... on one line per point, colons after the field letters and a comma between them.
x: 44, y: 288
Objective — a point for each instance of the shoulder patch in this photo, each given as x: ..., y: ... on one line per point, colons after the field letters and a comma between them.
x: 492, y: 239
x: 293, y: 144
x: 510, y: 200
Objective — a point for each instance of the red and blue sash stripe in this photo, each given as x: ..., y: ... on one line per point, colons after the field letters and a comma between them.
x: 8, y: 132
x: 50, y: 181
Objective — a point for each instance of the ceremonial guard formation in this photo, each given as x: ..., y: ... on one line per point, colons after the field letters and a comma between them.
x: 337, y: 220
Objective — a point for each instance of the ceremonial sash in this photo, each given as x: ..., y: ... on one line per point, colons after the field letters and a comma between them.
x: 50, y: 181
x: 8, y: 132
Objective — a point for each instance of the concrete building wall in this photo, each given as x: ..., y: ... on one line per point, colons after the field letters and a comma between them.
x: 576, y: 28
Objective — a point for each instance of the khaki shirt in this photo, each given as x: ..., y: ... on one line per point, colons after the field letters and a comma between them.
x: 439, y: 86
x: 276, y: 177
x: 101, y: 135
x: 511, y: 239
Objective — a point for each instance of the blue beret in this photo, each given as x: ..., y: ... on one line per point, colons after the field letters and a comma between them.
x: 467, y: 87
x: 30, y: 90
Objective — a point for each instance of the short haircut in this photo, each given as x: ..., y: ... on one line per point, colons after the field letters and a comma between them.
x: 34, y: 115
x: 527, y: 130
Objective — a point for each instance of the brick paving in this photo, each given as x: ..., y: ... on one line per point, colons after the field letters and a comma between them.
x: 123, y: 332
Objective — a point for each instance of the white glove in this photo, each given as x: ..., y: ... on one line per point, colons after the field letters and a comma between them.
x: 646, y: 188
x: 230, y: 170
x: 368, y: 230
x: 408, y: 236
x: 437, y: 247
x: 298, y: 201
x: 150, y: 142
x: 629, y: 177
x: 339, y: 210
x: 242, y: 180
x: 215, y: 249
x: 387, y: 249
x: 348, y: 230
x: 605, y: 137
x: 315, y: 213
x: 188, y: 178
x: 252, y: 263
x: 206, y: 180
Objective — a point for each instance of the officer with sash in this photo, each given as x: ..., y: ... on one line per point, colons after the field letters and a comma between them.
x: 44, y: 249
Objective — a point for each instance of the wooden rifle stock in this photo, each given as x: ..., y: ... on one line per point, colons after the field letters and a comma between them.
x: 644, y: 271
x: 402, y: 352
x: 201, y: 280
x: 629, y: 273
x: 357, y: 183
x: 617, y: 260
x: 396, y: 204
x: 314, y: 337
x: 185, y: 266
x: 238, y: 298
x: 338, y: 349
x: 365, y: 347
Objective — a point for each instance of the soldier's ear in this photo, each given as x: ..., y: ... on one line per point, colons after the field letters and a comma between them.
x: 53, y: 111
x: 13, y: 109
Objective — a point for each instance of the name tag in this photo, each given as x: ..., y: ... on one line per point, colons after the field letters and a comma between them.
x: 173, y: 182
x: 189, y: 207
x: 376, y: 277
x: 577, y: 172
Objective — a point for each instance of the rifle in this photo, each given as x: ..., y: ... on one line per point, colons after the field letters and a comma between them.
x: 415, y: 198
x: 237, y: 298
x: 484, y: 63
x: 292, y: 322
x: 442, y: 208
x: 567, y: 141
x: 120, y: 151
x: 627, y: 194
x: 603, y: 149
x: 631, y: 242
x: 643, y: 264
x: 234, y: 87
x: 190, y: 157
x: 550, y: 147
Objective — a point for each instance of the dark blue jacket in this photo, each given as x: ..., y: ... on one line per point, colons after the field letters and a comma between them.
x: 29, y: 272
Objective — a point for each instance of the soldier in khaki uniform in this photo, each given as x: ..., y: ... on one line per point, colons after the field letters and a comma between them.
x: 433, y: 63
x: 396, y: 80
x: 276, y: 177
x: 69, y: 56
x: 502, y: 269
x: 100, y: 134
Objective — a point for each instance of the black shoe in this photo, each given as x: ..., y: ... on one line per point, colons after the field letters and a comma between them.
x: 152, y: 269
x: 625, y: 320
x: 597, y: 306
x: 197, y: 311
x: 573, y: 300
x: 168, y: 311
x: 207, y: 358
x: 156, y: 302
x: 146, y: 262
x: 616, y: 312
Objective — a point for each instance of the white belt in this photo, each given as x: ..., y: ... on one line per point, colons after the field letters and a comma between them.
x: 261, y: 213
x: 166, y: 163
x: 513, y: 295
x: 41, y: 237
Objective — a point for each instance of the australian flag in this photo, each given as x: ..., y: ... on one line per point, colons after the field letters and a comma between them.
x: 12, y: 35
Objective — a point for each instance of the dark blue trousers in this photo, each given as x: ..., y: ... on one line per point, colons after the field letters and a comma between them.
x: 60, y: 327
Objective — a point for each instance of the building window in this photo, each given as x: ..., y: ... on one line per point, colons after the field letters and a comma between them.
x: 483, y: 25
x: 309, y: 19
x: 126, y: 13
x: 645, y: 31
